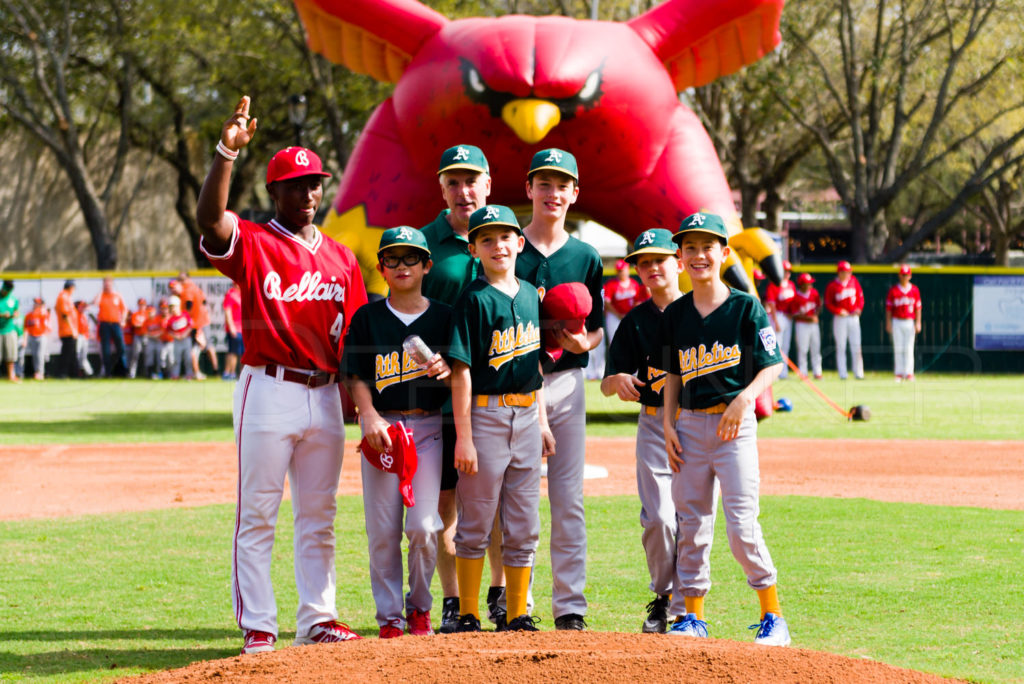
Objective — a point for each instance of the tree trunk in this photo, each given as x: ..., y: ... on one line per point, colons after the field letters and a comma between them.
x: 773, y: 210
x: 860, y: 229
x: 93, y: 214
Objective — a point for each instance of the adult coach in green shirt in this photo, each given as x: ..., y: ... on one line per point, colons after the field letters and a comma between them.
x: 465, y: 181
x: 9, y: 329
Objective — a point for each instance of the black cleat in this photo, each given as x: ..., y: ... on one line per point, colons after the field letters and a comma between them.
x: 523, y: 623
x: 657, y: 616
x: 570, y: 621
x: 468, y: 623
x: 449, y: 615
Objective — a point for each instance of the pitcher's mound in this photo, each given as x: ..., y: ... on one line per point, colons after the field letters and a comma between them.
x: 541, y: 657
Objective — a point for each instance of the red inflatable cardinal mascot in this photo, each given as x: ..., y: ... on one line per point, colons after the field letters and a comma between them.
x: 513, y: 85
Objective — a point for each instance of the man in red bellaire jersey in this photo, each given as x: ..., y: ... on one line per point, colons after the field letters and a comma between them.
x: 844, y: 298
x: 776, y: 303
x: 299, y: 292
x: 903, y: 321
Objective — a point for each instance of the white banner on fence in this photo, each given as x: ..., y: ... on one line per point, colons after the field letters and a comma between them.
x: 998, y: 313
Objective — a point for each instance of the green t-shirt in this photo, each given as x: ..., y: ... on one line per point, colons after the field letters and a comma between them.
x: 453, y: 267
x: 374, y: 354
x: 718, y: 356
x: 634, y: 346
x: 8, y: 313
x: 498, y: 337
x: 574, y: 262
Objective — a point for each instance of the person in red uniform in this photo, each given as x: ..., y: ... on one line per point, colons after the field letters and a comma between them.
x: 776, y: 300
x: 903, y: 322
x: 621, y: 294
x: 844, y: 298
x: 233, y: 331
x: 193, y: 302
x: 299, y: 292
x: 804, y: 307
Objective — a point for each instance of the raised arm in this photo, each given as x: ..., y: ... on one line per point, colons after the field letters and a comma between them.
x: 213, y: 198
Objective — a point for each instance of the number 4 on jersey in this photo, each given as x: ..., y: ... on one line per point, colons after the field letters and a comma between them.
x: 337, y: 328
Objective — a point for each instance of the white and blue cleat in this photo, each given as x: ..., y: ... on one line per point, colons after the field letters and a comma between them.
x: 772, y: 630
x: 689, y: 626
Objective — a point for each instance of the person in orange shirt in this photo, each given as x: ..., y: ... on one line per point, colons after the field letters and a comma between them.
x: 85, y: 333
x: 193, y: 302
x: 137, y: 329
x: 112, y: 316
x: 67, y: 330
x: 156, y: 332
x: 37, y: 327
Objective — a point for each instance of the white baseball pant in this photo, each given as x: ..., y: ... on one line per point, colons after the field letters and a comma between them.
x: 567, y: 416
x: 384, y: 513
x: 784, y: 332
x: 735, y: 463
x: 846, y: 330
x: 284, y: 428
x: 903, y: 346
x: 808, y: 340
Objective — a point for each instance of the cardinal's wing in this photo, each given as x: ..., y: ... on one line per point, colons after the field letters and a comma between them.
x: 373, y: 37
x: 701, y: 40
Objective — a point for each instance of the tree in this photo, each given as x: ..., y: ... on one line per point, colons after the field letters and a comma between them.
x: 904, y: 70
x: 60, y: 101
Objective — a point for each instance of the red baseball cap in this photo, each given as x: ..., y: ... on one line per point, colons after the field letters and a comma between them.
x: 786, y: 266
x: 564, y: 307
x: 37, y: 300
x: 294, y: 162
x: 904, y: 270
x: 843, y: 266
x: 621, y: 264
x: 805, y: 279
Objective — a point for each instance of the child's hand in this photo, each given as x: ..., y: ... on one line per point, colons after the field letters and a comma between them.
x: 465, y: 457
x: 674, y: 449
x: 437, y: 368
x: 375, y: 429
x: 729, y: 424
x: 547, y: 439
x: 625, y: 386
x: 577, y: 343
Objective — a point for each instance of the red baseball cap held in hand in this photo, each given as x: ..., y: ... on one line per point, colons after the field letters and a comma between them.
x: 294, y: 162
x: 565, y: 307
x: 400, y: 460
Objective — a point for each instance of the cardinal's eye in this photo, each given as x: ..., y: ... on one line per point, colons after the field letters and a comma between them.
x: 590, y: 88
x: 475, y: 82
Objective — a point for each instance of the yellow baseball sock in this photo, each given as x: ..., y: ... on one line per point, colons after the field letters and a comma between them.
x: 769, y: 601
x: 469, y: 571
x: 517, y: 586
x: 695, y: 605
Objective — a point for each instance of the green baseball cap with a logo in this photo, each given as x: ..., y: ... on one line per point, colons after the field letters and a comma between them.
x: 403, y: 236
x: 493, y: 215
x: 554, y: 159
x: 702, y: 223
x: 464, y: 157
x: 652, y: 241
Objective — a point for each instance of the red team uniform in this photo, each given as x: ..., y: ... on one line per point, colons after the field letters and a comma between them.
x: 845, y: 301
x: 803, y: 308
x: 903, y: 308
x: 776, y: 299
x: 297, y: 301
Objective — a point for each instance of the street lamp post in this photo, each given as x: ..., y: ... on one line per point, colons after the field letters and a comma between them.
x: 297, y: 108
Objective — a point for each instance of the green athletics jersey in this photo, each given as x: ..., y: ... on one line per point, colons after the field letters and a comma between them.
x: 718, y: 356
x: 453, y: 267
x: 8, y: 313
x: 573, y: 262
x: 635, y: 351
x: 498, y: 337
x: 374, y: 354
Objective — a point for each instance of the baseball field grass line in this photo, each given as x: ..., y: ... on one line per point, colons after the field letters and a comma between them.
x: 923, y: 587
x: 936, y: 406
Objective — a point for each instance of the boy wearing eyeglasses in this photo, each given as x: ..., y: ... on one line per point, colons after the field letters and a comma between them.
x: 390, y: 385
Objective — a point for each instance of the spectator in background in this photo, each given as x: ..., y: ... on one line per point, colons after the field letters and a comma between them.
x: 179, y: 327
x: 804, y: 307
x: 37, y: 327
x: 137, y: 326
x: 156, y: 339
x: 19, y: 363
x: 233, y: 330
x: 844, y: 298
x: 903, y: 322
x: 113, y: 314
x: 67, y: 330
x: 776, y: 301
x: 82, y: 341
x: 621, y: 294
x: 8, y: 329
x: 193, y: 302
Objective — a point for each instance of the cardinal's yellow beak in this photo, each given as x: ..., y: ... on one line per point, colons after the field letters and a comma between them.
x: 531, y: 119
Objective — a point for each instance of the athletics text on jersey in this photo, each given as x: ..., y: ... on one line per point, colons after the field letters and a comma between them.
x: 297, y: 298
x: 498, y: 337
x: 374, y: 354
x: 718, y: 356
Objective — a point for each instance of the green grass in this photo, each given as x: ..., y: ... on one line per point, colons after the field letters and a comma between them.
x: 922, y: 587
x: 936, y: 406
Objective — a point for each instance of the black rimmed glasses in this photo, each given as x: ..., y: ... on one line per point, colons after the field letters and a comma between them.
x: 411, y: 259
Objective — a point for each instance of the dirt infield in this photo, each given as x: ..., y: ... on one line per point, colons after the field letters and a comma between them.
x: 60, y: 480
